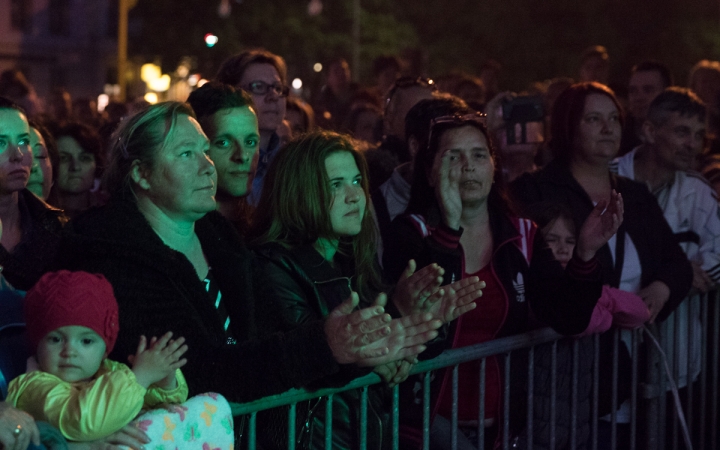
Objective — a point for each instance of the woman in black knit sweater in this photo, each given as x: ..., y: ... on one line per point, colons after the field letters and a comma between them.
x: 177, y: 265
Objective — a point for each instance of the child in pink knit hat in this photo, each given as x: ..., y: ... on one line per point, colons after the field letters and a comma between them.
x: 72, y: 323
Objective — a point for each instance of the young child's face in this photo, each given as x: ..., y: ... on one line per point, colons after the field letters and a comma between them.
x: 71, y: 353
x: 560, y: 240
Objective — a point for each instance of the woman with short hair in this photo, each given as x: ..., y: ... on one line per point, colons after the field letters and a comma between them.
x: 81, y: 161
x: 176, y: 264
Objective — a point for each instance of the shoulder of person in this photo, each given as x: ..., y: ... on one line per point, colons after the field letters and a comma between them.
x: 274, y: 253
x: 215, y: 223
x: 417, y: 221
x: 115, y: 215
x: 630, y: 188
x: 50, y: 217
x: 697, y: 180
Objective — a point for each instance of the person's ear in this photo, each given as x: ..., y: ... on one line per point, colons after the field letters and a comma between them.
x: 648, y: 132
x: 139, y: 175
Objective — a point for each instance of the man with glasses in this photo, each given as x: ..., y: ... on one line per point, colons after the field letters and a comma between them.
x: 264, y: 76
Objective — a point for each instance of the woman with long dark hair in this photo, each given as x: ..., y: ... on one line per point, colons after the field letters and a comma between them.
x: 459, y: 218
x: 316, y: 241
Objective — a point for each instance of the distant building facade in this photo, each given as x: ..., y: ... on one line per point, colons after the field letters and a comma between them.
x: 69, y: 44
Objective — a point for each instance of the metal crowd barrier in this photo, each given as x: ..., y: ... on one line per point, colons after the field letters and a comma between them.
x: 648, y: 402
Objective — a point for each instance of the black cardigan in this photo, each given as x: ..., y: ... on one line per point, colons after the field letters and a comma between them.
x: 661, y: 258
x: 158, y: 290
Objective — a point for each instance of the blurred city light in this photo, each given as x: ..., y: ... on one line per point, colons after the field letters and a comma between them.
x: 150, y: 72
x: 315, y: 7
x: 201, y: 82
x: 151, y: 98
x: 297, y: 83
x: 224, y: 9
x: 161, y: 84
x: 317, y: 67
x: 193, y: 79
x: 112, y: 90
x: 182, y: 71
x: 102, y: 102
x: 211, y: 40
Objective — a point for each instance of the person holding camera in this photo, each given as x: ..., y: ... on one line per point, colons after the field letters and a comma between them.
x: 516, y: 122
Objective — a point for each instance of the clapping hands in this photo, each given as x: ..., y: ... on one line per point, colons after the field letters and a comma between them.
x: 155, y: 362
x: 602, y: 223
x: 369, y: 337
x: 421, y: 292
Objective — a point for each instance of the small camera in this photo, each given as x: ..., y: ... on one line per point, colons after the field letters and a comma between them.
x: 517, y: 113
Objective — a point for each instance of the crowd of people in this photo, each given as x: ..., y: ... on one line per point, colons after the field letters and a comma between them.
x: 168, y: 259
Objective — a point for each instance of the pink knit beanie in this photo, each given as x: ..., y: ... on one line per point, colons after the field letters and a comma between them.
x: 66, y: 298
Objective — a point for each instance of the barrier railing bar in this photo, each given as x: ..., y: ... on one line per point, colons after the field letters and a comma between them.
x: 634, y: 391
x: 553, y: 394
x: 363, y: 417
x: 506, y: 404
x: 613, y: 414
x: 252, y: 428
x: 650, y: 394
x: 676, y: 372
x: 328, y: 422
x: 396, y: 417
x: 530, y: 396
x: 426, y: 411
x: 703, y: 366
x: 292, y: 414
x: 454, y: 417
x: 662, y: 429
x: 448, y: 358
x: 714, y: 362
x: 481, y: 406
x: 673, y: 333
x: 690, y: 354
x: 574, y: 393
x: 595, y: 391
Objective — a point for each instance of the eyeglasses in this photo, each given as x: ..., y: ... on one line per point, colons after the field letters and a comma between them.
x: 406, y: 82
x: 457, y: 119
x: 262, y: 88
